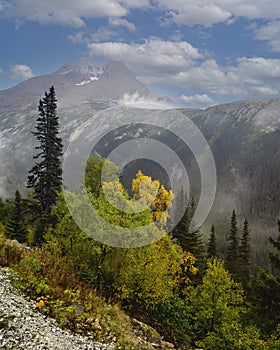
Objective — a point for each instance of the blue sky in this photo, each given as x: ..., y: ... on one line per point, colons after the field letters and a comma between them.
x: 199, y: 52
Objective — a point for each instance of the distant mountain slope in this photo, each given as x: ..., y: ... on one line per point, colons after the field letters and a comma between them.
x: 245, y: 141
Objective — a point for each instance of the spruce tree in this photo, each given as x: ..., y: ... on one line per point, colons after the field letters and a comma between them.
x: 232, y: 253
x: 46, y: 175
x: 275, y: 256
x: 16, y: 227
x: 245, y: 255
x: 212, y: 245
x: 191, y: 241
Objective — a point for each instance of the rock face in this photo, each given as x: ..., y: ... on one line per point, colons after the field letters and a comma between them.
x: 23, y: 327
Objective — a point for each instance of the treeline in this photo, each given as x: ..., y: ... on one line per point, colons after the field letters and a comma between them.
x: 193, y: 293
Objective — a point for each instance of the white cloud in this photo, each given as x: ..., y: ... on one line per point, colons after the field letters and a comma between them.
x: 192, y: 12
x: 250, y: 77
x: 205, y: 15
x: 209, y: 12
x: 152, y: 57
x: 78, y: 38
x: 65, y: 12
x: 271, y: 34
x: 143, y: 4
x: 101, y: 34
x: 21, y: 72
x: 200, y: 101
x: 180, y: 65
x: 117, y: 22
x: 1, y: 71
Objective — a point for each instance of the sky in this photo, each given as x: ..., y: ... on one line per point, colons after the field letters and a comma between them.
x: 198, y: 52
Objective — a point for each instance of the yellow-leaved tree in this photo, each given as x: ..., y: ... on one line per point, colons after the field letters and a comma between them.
x: 154, y: 195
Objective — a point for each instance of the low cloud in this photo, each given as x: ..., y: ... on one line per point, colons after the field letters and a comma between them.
x: 21, y: 72
x: 140, y: 101
x: 199, y: 101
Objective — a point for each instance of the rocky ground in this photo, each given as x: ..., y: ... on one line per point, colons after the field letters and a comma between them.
x: 23, y: 327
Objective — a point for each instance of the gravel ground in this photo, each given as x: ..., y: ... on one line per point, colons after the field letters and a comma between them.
x: 23, y: 327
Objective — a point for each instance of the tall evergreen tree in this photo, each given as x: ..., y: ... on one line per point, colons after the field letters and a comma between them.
x: 245, y: 255
x: 232, y: 254
x: 46, y: 175
x: 181, y: 202
x: 191, y: 241
x: 212, y: 245
x: 16, y: 227
x: 275, y: 256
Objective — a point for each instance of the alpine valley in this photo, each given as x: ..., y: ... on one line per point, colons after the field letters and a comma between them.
x: 244, y: 137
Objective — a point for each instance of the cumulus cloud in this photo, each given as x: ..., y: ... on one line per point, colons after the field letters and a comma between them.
x: 180, y: 65
x: 151, y: 57
x: 249, y: 77
x: 271, y: 34
x: 200, y: 101
x: 101, y: 34
x: 120, y: 22
x: 78, y: 38
x: 21, y: 72
x: 134, y: 4
x: 208, y: 12
x: 192, y: 12
x: 204, y: 15
x: 66, y: 12
x: 1, y: 71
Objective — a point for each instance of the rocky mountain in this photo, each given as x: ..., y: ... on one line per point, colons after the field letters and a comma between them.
x: 244, y: 136
x: 77, y: 83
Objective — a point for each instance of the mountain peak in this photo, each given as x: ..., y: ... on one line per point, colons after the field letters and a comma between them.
x: 78, y: 82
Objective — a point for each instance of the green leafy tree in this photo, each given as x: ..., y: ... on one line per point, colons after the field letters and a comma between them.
x: 232, y: 254
x: 212, y: 245
x: 46, y: 175
x: 217, y: 300
x: 216, y: 309
x: 16, y: 227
